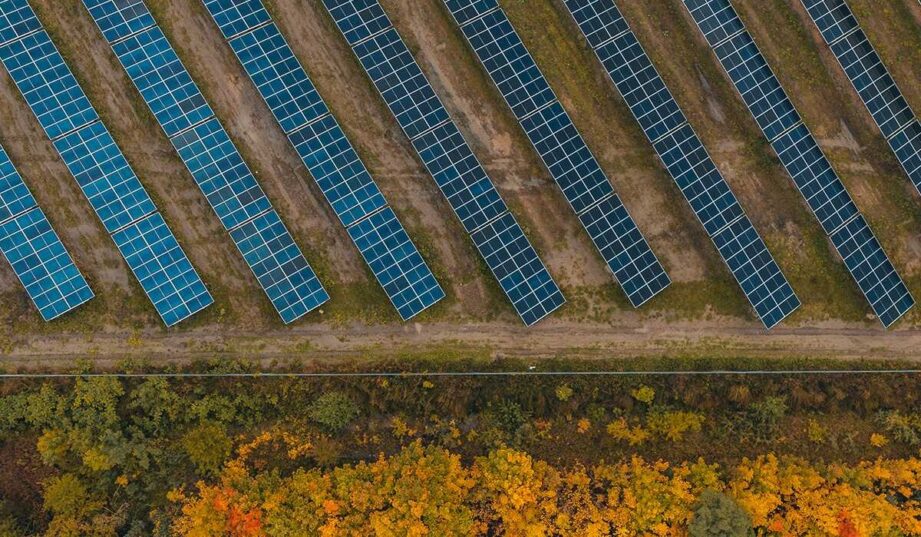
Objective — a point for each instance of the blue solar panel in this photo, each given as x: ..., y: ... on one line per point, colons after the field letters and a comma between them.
x: 42, y: 264
x: 212, y: 159
x: 16, y: 20
x: 46, y: 83
x: 278, y: 75
x: 686, y: 159
x: 802, y: 157
x: 279, y: 265
x: 120, y: 18
x: 520, y: 272
x: 162, y: 80
x: 396, y: 263
x: 163, y: 269
x: 561, y: 147
x: 871, y: 79
x: 448, y: 158
x: 221, y: 173
x: 234, y: 17
x: 335, y: 166
x: 323, y: 147
x: 35, y: 252
x: 103, y: 174
x: 105, y: 177
x: 875, y: 275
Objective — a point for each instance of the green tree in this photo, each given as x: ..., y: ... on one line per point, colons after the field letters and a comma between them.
x: 333, y: 410
x: 208, y: 446
x: 718, y: 515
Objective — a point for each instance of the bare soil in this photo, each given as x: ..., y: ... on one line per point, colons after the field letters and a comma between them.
x: 703, y: 310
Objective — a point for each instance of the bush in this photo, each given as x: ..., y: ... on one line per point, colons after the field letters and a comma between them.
x: 718, y: 515
x: 333, y: 411
x: 208, y: 446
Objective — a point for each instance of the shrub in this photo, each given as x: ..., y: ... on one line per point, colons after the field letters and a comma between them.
x: 644, y: 394
x: 208, y: 446
x: 672, y: 424
x: 563, y: 392
x: 905, y: 428
x: 718, y: 515
x: 333, y: 411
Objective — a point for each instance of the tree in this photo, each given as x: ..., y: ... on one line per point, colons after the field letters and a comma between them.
x: 333, y: 411
x: 718, y: 515
x: 208, y: 446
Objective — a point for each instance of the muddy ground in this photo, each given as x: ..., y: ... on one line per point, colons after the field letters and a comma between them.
x: 703, y: 299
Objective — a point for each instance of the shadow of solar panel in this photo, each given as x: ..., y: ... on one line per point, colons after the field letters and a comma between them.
x: 459, y: 175
x: 400, y: 80
x: 815, y: 178
x: 396, y: 263
x: 42, y: 264
x: 221, y: 173
x: 357, y: 19
x: 875, y: 275
x: 907, y: 147
x: 15, y: 197
x: 277, y: 262
x: 753, y: 267
x: 833, y: 18
x: 571, y: 163
x: 46, y: 83
x: 234, y: 17
x: 118, y: 19
x: 521, y: 274
x: 163, y: 81
x: 716, y: 20
x: 509, y: 64
x: 688, y: 162
x: 278, y: 75
x: 626, y: 252
x: 640, y: 85
x: 105, y: 177
x: 338, y: 171
x: 757, y: 84
x: 873, y: 83
x: 599, y: 20
x: 16, y: 20
x: 163, y: 269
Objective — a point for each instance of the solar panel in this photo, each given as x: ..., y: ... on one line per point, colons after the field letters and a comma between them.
x: 210, y: 156
x: 33, y: 249
x: 686, y: 159
x: 163, y: 269
x: 447, y: 156
x: 801, y: 155
x: 875, y: 86
x: 562, y: 149
x: 163, y: 81
x: 329, y: 156
x: 279, y: 265
x: 99, y: 167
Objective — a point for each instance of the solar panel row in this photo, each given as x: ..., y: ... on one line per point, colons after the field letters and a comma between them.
x: 686, y: 159
x: 329, y: 156
x: 210, y: 156
x: 448, y: 158
x: 561, y: 147
x: 33, y: 249
x: 803, y: 158
x: 104, y: 176
x: 872, y: 80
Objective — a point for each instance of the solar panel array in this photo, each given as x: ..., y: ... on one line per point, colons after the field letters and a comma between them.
x: 448, y: 157
x: 35, y: 252
x: 685, y: 158
x: 210, y: 156
x: 561, y: 147
x: 104, y: 176
x: 328, y: 154
x: 801, y: 156
x: 872, y: 81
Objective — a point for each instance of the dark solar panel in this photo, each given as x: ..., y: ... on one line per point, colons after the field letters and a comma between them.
x: 685, y: 158
x: 120, y: 18
x: 448, y: 158
x: 800, y: 153
x: 561, y: 147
